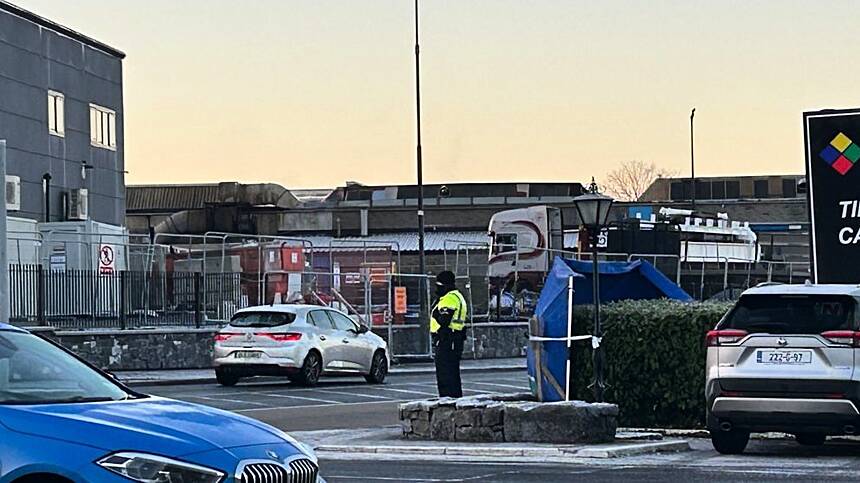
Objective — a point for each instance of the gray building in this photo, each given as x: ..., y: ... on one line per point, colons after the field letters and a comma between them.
x: 61, y: 114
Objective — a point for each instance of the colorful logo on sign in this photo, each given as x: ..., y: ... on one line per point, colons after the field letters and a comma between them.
x: 841, y: 153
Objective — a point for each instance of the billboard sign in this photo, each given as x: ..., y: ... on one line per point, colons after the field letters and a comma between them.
x: 832, y: 143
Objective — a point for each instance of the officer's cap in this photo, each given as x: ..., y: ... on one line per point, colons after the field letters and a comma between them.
x: 445, y: 278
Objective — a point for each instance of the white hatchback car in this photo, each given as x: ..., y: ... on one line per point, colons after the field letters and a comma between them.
x: 301, y: 342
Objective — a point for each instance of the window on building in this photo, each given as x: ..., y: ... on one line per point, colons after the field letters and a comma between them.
x: 680, y: 190
x: 733, y: 190
x: 760, y: 188
x: 718, y: 190
x: 102, y: 127
x: 703, y: 190
x: 56, y: 113
x: 789, y: 188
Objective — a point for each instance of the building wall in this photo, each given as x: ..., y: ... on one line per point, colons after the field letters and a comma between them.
x: 34, y: 60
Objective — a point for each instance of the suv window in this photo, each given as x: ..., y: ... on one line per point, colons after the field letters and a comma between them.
x: 320, y: 319
x: 792, y: 314
x: 262, y: 319
x: 342, y: 322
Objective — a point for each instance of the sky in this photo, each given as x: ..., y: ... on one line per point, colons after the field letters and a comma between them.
x: 313, y: 93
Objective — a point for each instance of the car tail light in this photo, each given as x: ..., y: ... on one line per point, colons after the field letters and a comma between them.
x: 847, y: 337
x: 286, y: 337
x: 222, y: 336
x: 728, y: 336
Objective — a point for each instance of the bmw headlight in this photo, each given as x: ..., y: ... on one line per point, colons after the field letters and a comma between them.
x: 148, y: 468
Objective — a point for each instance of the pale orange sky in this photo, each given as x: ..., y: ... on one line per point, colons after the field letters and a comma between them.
x: 311, y: 93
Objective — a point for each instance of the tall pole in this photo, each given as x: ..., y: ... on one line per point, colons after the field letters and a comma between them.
x: 597, y: 360
x: 692, y: 162
x: 4, y: 261
x: 422, y: 263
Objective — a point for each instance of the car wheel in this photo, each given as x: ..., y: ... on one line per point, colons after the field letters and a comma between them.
x: 225, y: 378
x: 810, y: 439
x: 730, y: 442
x: 311, y: 370
x: 378, y: 369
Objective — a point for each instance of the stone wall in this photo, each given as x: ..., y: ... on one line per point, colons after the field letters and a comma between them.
x: 190, y: 348
x: 488, y: 340
x: 509, y: 418
x: 141, y: 349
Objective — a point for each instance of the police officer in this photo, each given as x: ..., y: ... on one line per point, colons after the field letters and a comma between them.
x: 447, y: 322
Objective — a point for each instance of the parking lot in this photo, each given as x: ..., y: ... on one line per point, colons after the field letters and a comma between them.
x: 336, y: 403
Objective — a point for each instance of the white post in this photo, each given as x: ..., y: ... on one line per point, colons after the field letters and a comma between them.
x: 569, y: 336
x: 4, y: 261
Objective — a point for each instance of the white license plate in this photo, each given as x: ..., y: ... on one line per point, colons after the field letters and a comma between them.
x: 247, y: 355
x: 784, y: 357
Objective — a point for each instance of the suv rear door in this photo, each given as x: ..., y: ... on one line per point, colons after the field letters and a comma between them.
x: 788, y: 339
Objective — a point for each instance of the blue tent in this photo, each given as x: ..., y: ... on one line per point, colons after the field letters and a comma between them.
x: 637, y: 280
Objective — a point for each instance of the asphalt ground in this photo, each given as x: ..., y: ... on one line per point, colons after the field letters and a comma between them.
x: 351, y: 403
x: 350, y: 471
x: 336, y: 403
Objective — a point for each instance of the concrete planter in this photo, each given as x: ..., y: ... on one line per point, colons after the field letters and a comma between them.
x: 509, y: 418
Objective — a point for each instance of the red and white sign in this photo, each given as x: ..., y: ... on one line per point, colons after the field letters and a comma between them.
x: 107, y: 259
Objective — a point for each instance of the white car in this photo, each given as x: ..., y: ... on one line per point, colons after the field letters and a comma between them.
x: 301, y: 342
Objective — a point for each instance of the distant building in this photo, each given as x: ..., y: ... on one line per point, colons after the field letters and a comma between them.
x: 727, y: 188
x: 61, y: 114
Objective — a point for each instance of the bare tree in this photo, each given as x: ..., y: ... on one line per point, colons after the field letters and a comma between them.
x: 630, y: 180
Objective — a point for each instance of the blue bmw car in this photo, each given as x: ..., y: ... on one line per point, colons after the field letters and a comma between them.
x: 62, y: 421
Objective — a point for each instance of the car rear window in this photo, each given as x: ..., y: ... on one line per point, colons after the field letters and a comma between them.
x: 792, y: 314
x: 262, y: 319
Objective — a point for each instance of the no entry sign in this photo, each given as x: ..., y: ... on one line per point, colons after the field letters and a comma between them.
x: 107, y: 259
x: 832, y: 140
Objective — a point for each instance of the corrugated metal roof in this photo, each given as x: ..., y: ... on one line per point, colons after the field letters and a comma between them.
x: 435, y: 241
x: 170, y: 198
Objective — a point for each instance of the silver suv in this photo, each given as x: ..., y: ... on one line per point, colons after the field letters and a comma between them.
x: 301, y: 342
x: 784, y: 359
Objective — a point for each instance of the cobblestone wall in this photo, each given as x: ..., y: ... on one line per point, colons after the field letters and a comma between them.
x: 508, y: 418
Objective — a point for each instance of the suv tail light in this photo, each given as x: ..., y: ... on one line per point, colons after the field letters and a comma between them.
x: 847, y: 337
x: 286, y: 337
x: 720, y: 337
x: 222, y: 336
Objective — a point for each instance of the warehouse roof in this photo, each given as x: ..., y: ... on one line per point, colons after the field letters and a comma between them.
x: 434, y: 241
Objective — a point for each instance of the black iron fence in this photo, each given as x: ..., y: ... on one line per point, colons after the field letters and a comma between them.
x: 123, y: 299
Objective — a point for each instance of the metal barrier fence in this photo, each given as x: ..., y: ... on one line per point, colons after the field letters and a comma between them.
x: 84, y: 299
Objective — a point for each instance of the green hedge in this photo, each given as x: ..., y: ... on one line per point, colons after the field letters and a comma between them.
x: 655, y: 360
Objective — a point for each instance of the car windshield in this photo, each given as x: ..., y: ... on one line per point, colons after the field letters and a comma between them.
x: 792, y: 314
x: 34, y: 371
x: 262, y: 319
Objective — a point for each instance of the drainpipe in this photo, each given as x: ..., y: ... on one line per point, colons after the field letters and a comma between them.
x: 46, y: 178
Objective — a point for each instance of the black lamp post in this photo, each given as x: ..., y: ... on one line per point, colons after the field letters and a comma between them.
x: 593, y: 209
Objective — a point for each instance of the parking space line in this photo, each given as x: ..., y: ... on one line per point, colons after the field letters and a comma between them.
x: 235, y: 401
x: 251, y: 410
x: 330, y: 391
x: 289, y: 396
x: 499, y: 385
x: 407, y: 392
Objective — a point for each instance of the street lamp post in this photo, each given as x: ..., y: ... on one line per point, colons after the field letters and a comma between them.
x: 422, y: 264
x: 593, y: 209
x: 692, y: 162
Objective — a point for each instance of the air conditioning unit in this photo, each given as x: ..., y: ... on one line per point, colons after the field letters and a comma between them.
x: 78, y: 205
x: 13, y: 193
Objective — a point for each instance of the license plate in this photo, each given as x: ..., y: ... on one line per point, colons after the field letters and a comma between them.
x: 247, y: 355
x: 784, y: 357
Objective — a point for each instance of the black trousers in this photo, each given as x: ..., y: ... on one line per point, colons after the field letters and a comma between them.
x: 448, y: 350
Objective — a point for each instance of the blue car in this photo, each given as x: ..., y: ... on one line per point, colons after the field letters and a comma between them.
x: 62, y: 420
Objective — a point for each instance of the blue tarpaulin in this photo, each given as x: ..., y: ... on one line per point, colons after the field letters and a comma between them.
x: 637, y: 280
